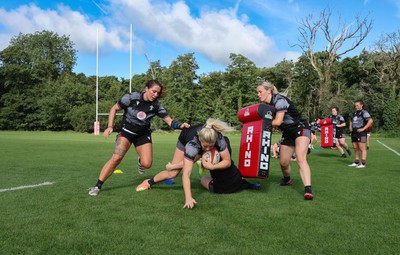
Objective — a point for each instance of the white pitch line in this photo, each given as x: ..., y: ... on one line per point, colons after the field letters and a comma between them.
x: 26, y: 186
x: 398, y: 154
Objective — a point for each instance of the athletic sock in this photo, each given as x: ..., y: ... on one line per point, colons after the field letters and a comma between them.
x: 357, y: 162
x: 99, y: 183
x: 247, y: 185
x: 151, y: 181
x: 363, y: 162
x: 307, y: 189
x: 286, y: 178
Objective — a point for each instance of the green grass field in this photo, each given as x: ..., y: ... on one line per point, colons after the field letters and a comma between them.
x: 355, y: 211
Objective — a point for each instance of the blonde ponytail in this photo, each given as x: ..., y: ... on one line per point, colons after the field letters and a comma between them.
x: 209, y: 133
x: 268, y: 85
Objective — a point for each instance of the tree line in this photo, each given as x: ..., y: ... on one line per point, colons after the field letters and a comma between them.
x: 40, y: 91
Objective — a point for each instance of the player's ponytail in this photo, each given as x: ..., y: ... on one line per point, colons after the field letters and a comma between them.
x: 268, y: 85
x: 209, y: 133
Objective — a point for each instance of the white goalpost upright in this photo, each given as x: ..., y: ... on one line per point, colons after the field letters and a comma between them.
x: 97, y: 122
x: 130, y: 61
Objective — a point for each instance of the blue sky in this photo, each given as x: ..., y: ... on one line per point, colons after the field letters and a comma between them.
x: 261, y: 30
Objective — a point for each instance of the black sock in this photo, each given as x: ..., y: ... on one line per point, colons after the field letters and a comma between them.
x: 363, y: 162
x: 99, y: 183
x: 151, y: 181
x: 286, y: 178
x: 307, y: 189
x: 247, y: 185
x: 357, y: 161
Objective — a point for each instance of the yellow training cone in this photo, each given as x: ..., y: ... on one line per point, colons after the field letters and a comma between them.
x: 118, y: 171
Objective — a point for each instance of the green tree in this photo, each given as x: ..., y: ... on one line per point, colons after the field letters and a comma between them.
x: 305, y: 89
x: 240, y: 86
x: 282, y: 75
x: 26, y: 65
x: 41, y: 56
x: 391, y: 115
x: 81, y: 117
x: 60, y: 97
x: 340, y: 41
x: 387, y: 50
x: 180, y: 82
x: 208, y: 101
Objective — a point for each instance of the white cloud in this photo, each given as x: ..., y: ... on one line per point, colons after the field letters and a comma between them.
x: 30, y: 18
x: 289, y: 55
x: 214, y: 33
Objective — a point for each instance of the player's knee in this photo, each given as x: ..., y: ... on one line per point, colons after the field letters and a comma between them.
x: 116, y: 159
x: 284, y: 164
x: 146, y: 163
x: 301, y: 160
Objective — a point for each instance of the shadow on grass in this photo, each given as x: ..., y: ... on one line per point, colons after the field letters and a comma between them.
x: 323, y: 154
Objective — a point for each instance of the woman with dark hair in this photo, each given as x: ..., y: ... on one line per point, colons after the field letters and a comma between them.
x: 139, y: 108
x: 359, y: 123
x: 340, y: 135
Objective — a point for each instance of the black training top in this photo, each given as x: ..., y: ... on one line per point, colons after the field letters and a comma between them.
x: 228, y: 180
x: 360, y: 119
x: 292, y: 115
x: 139, y: 112
x: 190, y: 139
x: 314, y: 126
x: 339, y: 119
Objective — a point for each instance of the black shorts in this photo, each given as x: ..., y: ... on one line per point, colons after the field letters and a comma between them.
x: 359, y: 137
x: 340, y: 134
x: 290, y: 134
x: 180, y: 146
x: 136, y: 139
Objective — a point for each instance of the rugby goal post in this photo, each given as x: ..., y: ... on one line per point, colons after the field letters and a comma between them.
x: 96, y: 124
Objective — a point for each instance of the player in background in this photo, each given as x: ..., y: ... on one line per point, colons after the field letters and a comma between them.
x: 296, y: 135
x: 276, y: 148
x: 314, y: 127
x: 340, y: 123
x: 191, y: 144
x: 139, y: 108
x: 360, y: 121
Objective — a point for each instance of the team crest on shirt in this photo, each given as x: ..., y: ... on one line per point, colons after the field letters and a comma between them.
x: 141, y: 115
x: 151, y: 107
